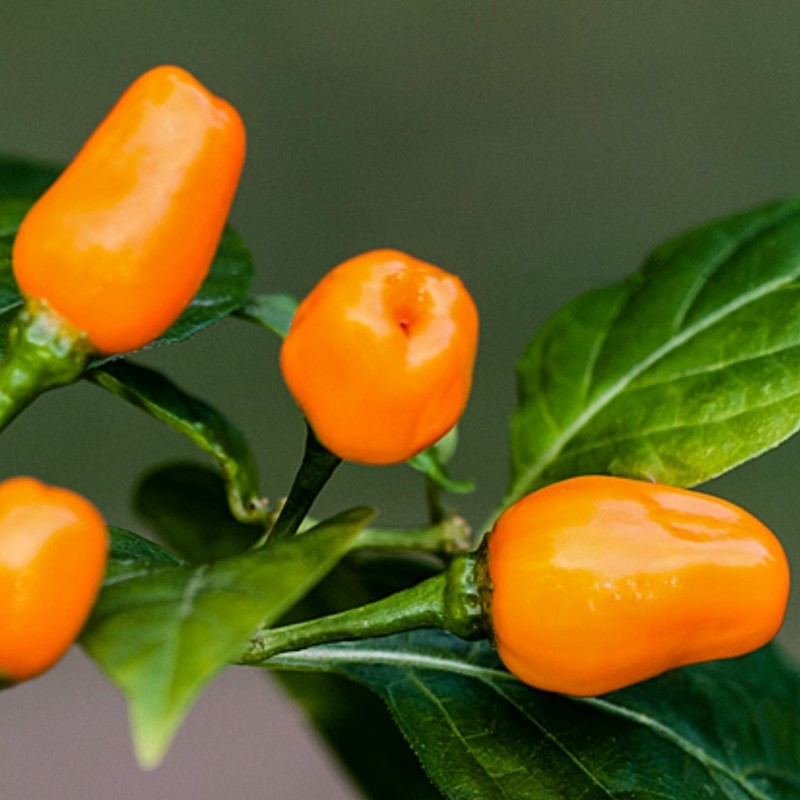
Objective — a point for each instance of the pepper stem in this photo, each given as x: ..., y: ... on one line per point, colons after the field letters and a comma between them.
x: 449, y: 537
x: 449, y: 600
x: 43, y: 351
x: 316, y: 468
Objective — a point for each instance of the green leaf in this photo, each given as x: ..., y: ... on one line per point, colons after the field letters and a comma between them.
x: 130, y: 554
x: 11, y: 213
x: 224, y: 290
x: 687, y: 369
x: 354, y: 723
x: 727, y: 730
x: 428, y: 463
x: 357, y: 727
x: 162, y: 634
x: 186, y: 506
x: 199, y: 422
x: 271, y: 311
x: 24, y: 178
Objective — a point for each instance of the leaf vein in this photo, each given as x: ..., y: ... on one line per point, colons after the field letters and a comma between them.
x: 709, y: 763
x: 683, y: 426
x: 521, y: 484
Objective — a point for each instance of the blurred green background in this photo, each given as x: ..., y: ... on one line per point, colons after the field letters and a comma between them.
x: 539, y: 149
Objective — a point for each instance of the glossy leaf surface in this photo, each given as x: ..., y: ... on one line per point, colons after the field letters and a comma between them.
x: 719, y: 731
x: 687, y: 369
x: 193, y: 418
x: 129, y: 553
x: 162, y: 632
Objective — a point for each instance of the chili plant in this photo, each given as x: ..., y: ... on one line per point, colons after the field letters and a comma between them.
x: 632, y: 615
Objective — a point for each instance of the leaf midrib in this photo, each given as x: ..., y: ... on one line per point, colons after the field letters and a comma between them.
x: 521, y: 485
x: 327, y: 657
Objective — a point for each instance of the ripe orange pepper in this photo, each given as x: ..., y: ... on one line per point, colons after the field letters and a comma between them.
x: 121, y: 242
x: 379, y: 356
x: 53, y: 549
x: 601, y: 582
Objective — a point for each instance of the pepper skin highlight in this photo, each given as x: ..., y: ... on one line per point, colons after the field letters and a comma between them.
x: 53, y: 550
x: 599, y: 582
x: 123, y: 239
x: 379, y: 356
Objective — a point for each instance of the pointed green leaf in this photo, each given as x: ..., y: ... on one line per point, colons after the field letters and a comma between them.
x: 687, y: 369
x: 186, y: 506
x: 727, y: 730
x: 271, y: 311
x: 427, y: 462
x: 162, y: 634
x: 432, y: 462
x: 130, y: 552
x: 199, y: 422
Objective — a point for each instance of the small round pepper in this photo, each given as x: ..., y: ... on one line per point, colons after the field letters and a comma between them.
x: 53, y: 549
x: 599, y: 582
x: 121, y: 242
x: 379, y: 356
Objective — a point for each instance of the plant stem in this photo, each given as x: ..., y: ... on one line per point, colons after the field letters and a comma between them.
x: 316, y: 468
x: 421, y: 606
x: 449, y: 600
x: 433, y: 500
x: 43, y: 351
x: 449, y: 537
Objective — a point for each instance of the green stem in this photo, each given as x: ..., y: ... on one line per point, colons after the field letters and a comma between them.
x: 451, y: 600
x: 433, y: 500
x: 450, y: 536
x: 43, y: 351
x: 317, y: 467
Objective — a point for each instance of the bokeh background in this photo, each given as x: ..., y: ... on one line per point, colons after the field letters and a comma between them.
x: 539, y: 149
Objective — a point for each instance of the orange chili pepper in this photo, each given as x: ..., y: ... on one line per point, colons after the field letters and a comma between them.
x: 379, y: 356
x: 601, y: 582
x: 53, y: 549
x: 121, y: 242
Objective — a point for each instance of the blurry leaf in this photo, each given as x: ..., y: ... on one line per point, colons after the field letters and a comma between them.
x: 272, y: 311
x: 11, y: 214
x: 197, y: 421
x: 164, y: 633
x: 224, y: 290
x: 687, y: 369
x: 717, y: 731
x: 186, y: 506
x: 23, y: 178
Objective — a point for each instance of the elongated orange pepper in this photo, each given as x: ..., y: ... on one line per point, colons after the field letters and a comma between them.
x: 601, y: 582
x: 53, y: 548
x: 123, y: 239
x: 379, y: 356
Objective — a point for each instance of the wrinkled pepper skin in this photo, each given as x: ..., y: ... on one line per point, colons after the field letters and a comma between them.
x: 601, y: 582
x: 53, y: 550
x: 380, y: 354
x: 123, y: 239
